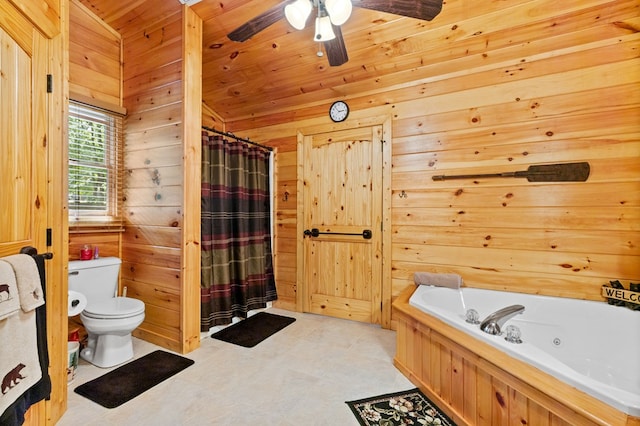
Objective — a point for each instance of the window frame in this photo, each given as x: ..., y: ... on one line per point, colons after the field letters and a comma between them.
x: 109, y: 218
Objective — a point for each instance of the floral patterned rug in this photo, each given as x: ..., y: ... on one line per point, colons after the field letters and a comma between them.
x: 410, y: 407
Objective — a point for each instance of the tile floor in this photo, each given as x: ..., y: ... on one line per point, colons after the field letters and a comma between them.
x: 301, y: 375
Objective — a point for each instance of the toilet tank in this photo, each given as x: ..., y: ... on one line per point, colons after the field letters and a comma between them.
x: 97, y: 279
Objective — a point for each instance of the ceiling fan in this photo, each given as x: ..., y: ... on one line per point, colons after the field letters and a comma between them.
x: 330, y: 15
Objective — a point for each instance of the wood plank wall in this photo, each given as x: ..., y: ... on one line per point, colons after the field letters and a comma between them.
x: 152, y: 248
x: 532, y: 90
x: 95, y: 77
x: 95, y: 58
x: 153, y: 190
x: 152, y: 90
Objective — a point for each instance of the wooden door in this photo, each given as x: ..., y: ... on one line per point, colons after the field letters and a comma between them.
x: 342, y: 202
x: 23, y: 163
x: 24, y: 149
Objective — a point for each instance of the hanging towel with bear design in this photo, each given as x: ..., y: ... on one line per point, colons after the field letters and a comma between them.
x: 9, y: 299
x: 19, y: 360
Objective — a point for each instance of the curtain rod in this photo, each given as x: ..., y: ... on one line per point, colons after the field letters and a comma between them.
x: 231, y: 135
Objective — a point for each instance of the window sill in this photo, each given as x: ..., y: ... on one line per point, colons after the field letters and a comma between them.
x: 78, y: 226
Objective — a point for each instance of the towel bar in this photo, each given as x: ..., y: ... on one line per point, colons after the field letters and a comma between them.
x: 314, y: 232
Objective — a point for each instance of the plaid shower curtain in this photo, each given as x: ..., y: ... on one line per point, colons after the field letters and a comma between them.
x: 237, y: 268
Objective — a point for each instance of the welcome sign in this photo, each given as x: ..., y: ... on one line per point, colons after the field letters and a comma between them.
x: 621, y: 294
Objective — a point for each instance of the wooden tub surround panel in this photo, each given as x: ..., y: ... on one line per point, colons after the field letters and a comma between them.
x: 477, y: 384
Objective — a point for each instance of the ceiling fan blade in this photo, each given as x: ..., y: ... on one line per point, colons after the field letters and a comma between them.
x: 252, y: 27
x: 336, y: 50
x: 420, y: 9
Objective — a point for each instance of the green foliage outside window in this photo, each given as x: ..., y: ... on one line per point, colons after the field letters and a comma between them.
x: 93, y: 137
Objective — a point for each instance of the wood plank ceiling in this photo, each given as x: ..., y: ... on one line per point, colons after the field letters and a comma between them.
x: 278, y: 70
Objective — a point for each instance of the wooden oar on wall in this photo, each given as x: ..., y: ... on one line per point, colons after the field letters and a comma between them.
x: 567, y: 172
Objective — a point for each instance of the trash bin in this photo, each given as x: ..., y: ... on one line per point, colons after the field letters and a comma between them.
x: 73, y: 351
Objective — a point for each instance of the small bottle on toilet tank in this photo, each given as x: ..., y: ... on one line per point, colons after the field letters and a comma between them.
x: 85, y: 253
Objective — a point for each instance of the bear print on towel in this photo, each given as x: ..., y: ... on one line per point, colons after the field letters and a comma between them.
x: 4, y: 288
x: 12, y: 376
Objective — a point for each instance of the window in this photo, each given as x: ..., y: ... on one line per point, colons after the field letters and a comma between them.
x: 95, y: 167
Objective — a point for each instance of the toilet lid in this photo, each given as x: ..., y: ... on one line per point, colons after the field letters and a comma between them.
x: 117, y: 307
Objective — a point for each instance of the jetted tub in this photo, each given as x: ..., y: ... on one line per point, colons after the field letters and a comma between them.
x: 592, y: 346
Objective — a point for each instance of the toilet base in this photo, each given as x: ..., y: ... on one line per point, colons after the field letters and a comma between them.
x: 108, y: 350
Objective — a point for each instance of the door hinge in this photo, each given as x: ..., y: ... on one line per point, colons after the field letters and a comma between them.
x: 49, y: 83
x: 49, y: 238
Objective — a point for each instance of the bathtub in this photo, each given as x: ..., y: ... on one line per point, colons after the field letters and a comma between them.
x: 590, y: 346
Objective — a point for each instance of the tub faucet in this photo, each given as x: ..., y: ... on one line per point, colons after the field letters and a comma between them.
x: 494, y: 322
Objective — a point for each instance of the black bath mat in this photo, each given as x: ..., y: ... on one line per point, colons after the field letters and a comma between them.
x: 130, y: 380
x: 253, y: 330
x: 399, y: 408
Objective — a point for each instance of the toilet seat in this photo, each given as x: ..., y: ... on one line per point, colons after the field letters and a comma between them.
x: 114, y: 308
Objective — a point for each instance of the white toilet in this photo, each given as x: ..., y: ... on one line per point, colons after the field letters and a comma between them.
x: 109, y: 320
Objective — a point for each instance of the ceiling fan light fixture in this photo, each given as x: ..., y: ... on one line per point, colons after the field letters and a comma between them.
x: 338, y: 10
x: 324, y: 29
x: 297, y: 13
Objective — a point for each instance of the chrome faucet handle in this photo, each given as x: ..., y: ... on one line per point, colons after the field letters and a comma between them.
x: 512, y: 334
x: 472, y: 316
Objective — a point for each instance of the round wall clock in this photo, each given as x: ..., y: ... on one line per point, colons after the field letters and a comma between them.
x: 339, y: 111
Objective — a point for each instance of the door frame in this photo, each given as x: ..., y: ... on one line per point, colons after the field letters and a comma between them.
x: 385, y: 122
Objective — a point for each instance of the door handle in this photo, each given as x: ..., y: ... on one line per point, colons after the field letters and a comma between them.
x: 314, y: 232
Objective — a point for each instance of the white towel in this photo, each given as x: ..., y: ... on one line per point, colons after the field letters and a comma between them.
x: 439, y: 280
x: 9, y: 299
x: 19, y: 362
x: 28, y: 280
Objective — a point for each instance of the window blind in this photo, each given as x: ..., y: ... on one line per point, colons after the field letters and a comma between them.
x: 95, y: 167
